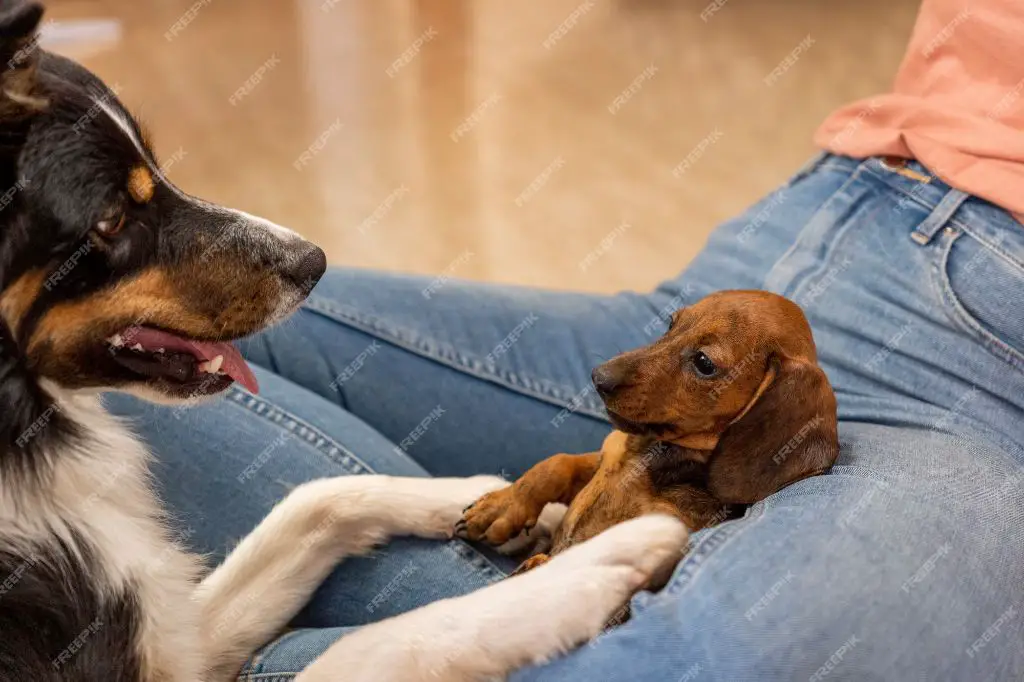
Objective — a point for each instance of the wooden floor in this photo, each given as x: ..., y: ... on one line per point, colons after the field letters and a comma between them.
x: 582, y: 144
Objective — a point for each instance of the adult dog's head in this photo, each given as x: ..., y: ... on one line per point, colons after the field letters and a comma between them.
x: 736, y: 380
x: 110, y: 276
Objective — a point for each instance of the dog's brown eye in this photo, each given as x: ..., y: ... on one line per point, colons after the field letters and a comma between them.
x: 703, y: 364
x: 108, y: 227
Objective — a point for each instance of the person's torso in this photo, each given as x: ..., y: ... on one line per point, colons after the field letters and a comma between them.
x: 957, y: 104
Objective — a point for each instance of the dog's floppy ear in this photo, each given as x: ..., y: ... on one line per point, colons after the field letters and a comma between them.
x: 787, y: 432
x: 30, y: 419
x: 19, y: 57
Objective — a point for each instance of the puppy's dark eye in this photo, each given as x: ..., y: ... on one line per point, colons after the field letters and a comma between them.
x: 109, y: 227
x: 703, y: 364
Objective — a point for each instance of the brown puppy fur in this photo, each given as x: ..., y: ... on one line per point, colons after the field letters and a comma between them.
x: 726, y: 408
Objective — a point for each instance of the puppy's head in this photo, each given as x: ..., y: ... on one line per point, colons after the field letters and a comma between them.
x: 110, y: 276
x: 736, y: 380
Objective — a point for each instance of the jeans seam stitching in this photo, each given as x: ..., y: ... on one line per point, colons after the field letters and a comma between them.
x: 821, y: 161
x: 544, y: 390
x: 250, y: 402
x: 695, y: 559
x: 1011, y: 355
x: 955, y: 222
x: 807, y: 168
x: 477, y: 560
x: 831, y: 166
x: 800, y: 279
x: 262, y: 654
x: 916, y: 199
x: 999, y: 251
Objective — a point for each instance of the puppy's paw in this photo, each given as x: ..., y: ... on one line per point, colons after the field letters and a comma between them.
x: 539, y: 539
x: 498, y: 517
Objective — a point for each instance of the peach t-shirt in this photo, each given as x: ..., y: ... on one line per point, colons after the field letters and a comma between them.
x: 957, y: 105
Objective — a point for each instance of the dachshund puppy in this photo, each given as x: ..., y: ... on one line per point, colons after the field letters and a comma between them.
x: 726, y: 408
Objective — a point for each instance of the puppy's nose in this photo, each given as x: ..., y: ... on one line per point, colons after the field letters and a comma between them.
x: 307, y: 270
x: 606, y: 379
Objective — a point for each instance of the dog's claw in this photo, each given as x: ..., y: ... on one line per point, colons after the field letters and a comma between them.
x: 471, y: 505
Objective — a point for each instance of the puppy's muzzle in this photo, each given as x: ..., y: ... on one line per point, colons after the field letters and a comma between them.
x: 608, y: 378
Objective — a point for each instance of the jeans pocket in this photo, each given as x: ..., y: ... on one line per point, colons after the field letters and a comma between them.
x: 983, y: 285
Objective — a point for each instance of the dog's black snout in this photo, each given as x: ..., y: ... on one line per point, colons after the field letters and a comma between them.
x: 308, y: 269
x: 606, y: 379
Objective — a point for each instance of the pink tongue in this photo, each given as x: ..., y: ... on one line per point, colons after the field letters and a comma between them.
x: 234, y: 366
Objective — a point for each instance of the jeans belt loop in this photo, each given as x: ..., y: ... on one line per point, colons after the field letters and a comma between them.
x: 939, y: 216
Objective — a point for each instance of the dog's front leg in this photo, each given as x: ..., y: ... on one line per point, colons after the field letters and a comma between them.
x: 268, y: 578
x: 526, y: 619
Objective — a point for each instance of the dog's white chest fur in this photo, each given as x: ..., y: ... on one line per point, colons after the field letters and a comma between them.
x: 99, y: 494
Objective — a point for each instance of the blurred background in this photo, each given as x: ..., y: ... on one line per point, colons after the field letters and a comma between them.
x: 582, y: 144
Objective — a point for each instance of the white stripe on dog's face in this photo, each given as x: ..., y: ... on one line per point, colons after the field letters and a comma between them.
x: 240, y: 224
x: 283, y: 233
x: 256, y: 223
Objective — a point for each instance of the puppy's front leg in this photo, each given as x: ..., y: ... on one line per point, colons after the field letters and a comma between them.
x: 500, y: 516
x: 526, y: 619
x: 267, y: 579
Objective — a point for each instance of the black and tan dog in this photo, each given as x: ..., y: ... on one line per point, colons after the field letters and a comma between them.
x: 112, y: 278
x: 726, y: 408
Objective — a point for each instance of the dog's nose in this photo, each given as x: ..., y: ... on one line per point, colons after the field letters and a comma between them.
x: 308, y: 269
x: 606, y: 379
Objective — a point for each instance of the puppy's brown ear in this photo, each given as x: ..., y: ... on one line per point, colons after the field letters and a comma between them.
x: 787, y: 433
x: 19, y: 56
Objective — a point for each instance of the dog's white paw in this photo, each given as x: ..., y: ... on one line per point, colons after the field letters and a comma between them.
x: 532, y: 617
x: 429, y: 507
x: 650, y: 544
x: 580, y: 590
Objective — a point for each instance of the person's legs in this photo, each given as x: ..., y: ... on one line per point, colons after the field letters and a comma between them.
x: 904, y: 562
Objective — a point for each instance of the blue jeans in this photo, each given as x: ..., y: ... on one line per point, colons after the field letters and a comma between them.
x: 906, y: 561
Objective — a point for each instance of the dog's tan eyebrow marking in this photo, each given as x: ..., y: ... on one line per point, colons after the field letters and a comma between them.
x: 145, y: 183
x: 16, y: 299
x: 119, y: 120
x: 140, y: 184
